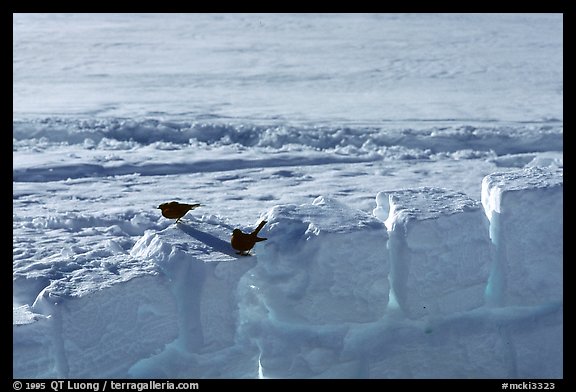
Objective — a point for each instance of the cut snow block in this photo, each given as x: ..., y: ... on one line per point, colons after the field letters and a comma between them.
x: 33, y: 353
x: 323, y: 267
x: 100, y: 331
x: 439, y: 247
x: 323, y: 263
x: 204, y: 272
x: 525, y: 209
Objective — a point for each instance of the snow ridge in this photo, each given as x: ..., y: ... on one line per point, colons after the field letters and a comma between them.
x: 448, y: 137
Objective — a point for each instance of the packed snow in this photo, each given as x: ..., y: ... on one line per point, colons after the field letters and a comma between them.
x: 409, y: 168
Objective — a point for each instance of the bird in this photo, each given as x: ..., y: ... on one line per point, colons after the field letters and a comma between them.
x: 243, y: 242
x: 175, y: 210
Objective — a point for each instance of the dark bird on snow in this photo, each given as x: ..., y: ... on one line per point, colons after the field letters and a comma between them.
x: 175, y: 210
x: 243, y: 242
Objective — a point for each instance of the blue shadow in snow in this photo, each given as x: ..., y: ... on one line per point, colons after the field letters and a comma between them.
x: 212, y: 241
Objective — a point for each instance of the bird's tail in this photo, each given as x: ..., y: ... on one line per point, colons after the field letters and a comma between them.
x: 260, y: 226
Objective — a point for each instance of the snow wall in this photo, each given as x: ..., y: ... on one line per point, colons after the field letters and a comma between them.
x: 434, y: 284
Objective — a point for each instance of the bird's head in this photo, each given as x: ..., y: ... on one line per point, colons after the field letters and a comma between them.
x: 236, y: 232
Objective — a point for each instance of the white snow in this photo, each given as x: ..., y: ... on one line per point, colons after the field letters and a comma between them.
x: 293, y: 67
x: 439, y: 250
x: 35, y: 352
x: 204, y: 272
x: 328, y: 262
x: 525, y: 209
x: 409, y: 168
x: 128, y: 320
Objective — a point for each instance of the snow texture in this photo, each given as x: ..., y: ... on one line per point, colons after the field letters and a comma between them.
x: 525, y: 209
x: 128, y: 321
x: 328, y: 261
x: 409, y: 168
x: 438, y: 267
x: 204, y: 272
x: 314, y: 301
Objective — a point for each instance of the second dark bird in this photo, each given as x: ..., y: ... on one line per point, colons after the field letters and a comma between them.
x: 243, y: 242
x: 175, y: 210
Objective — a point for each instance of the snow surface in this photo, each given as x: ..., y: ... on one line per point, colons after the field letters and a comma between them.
x: 437, y: 267
x: 527, y: 226
x: 409, y: 167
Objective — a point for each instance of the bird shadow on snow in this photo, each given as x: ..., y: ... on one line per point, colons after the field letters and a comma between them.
x: 212, y: 241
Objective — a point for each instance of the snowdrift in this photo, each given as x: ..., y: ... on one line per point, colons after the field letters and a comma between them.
x: 432, y: 285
